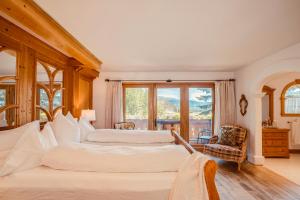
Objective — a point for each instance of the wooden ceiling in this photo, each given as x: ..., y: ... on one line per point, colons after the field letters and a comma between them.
x: 29, y: 16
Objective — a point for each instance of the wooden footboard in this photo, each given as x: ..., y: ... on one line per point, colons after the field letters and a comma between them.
x: 210, y: 168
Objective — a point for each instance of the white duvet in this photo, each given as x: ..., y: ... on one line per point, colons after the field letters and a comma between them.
x: 189, y: 183
x: 125, y: 159
x: 130, y: 136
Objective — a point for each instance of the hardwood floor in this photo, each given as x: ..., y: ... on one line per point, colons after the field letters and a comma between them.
x: 253, y: 182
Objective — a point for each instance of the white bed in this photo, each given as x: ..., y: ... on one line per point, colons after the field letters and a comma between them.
x: 43, y: 183
x: 39, y: 168
x: 129, y: 137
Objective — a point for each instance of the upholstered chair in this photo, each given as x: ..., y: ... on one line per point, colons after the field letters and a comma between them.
x: 125, y: 125
x: 229, y: 145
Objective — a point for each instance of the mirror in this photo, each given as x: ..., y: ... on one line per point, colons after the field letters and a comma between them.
x: 49, y: 91
x: 243, y: 105
x: 8, y: 68
x: 267, y: 106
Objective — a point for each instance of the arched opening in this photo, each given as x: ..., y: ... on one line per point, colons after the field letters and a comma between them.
x: 276, y: 80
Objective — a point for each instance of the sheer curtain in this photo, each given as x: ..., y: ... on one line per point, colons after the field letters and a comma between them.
x: 225, y: 104
x: 113, y: 109
x: 292, y: 105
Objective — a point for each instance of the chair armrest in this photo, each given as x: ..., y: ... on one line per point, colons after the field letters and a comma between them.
x: 213, y: 139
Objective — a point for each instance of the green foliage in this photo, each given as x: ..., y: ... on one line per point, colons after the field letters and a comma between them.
x: 136, y: 103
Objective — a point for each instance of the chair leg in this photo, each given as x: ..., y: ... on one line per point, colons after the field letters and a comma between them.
x: 239, y: 166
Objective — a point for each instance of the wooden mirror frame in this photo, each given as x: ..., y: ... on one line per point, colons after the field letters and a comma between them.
x: 243, y: 110
x: 50, y: 90
x: 15, y: 105
x: 270, y: 91
x: 282, y: 99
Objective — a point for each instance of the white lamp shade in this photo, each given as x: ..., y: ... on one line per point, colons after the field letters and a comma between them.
x: 89, y: 115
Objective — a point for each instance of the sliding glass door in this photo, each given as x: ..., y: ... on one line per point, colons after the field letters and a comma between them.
x: 186, y: 107
x: 136, y: 109
x: 200, y: 113
x: 167, y: 109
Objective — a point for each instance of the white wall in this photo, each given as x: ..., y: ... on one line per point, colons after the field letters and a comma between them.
x: 100, y: 85
x: 278, y: 84
x: 250, y: 80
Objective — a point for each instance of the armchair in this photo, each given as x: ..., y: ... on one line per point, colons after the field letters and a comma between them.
x: 230, y: 145
x: 125, y: 125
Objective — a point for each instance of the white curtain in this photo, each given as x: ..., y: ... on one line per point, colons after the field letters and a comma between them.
x: 292, y: 105
x: 225, y: 104
x: 113, y: 108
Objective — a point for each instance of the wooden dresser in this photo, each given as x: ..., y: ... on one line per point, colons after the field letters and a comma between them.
x: 275, y: 142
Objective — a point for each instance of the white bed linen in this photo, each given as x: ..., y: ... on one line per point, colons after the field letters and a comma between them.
x: 130, y: 136
x: 96, y: 158
x: 43, y: 183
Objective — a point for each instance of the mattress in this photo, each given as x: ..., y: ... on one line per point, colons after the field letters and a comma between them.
x: 43, y: 183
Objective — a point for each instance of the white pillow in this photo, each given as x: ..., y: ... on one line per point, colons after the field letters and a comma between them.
x: 26, y: 154
x: 85, y: 128
x: 70, y: 117
x: 49, y: 139
x: 65, y: 131
x: 9, y: 138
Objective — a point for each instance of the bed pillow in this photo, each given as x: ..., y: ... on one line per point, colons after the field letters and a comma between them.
x: 70, y: 117
x: 65, y: 130
x: 26, y: 154
x: 9, y: 138
x: 85, y: 128
x: 49, y: 139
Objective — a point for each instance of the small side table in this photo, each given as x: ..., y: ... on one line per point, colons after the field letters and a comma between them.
x: 205, y: 139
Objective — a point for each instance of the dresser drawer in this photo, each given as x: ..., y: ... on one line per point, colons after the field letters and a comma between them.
x: 275, y: 152
x: 274, y: 135
x: 275, y: 143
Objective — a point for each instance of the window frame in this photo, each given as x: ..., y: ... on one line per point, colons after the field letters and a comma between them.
x: 282, y: 99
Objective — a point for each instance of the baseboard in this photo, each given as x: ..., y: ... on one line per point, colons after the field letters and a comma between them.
x: 256, y: 160
x: 294, y: 151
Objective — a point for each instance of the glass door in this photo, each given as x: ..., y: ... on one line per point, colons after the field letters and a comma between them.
x: 168, y: 107
x: 200, y: 114
x: 136, y: 106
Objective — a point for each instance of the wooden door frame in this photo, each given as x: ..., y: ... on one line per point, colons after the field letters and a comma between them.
x: 150, y: 102
x: 184, y: 101
x: 270, y: 91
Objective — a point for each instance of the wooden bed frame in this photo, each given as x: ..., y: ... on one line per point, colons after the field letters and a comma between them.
x: 210, y: 168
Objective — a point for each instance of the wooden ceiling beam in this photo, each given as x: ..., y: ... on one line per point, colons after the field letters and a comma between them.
x: 30, y: 17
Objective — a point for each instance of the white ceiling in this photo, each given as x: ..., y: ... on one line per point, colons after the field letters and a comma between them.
x: 179, y: 35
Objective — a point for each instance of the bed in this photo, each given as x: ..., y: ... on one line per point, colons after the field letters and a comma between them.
x: 129, y: 137
x: 44, y: 183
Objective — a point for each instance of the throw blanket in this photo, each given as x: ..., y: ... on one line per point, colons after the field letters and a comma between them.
x: 130, y: 136
x: 190, y: 181
x: 95, y: 158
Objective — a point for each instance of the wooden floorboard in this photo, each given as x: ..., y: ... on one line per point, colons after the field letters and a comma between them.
x: 253, y: 182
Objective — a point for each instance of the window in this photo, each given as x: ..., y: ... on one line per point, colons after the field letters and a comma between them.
x: 186, y: 107
x: 290, y: 99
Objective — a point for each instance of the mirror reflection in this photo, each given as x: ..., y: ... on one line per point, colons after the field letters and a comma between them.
x: 8, y: 68
x: 49, y: 91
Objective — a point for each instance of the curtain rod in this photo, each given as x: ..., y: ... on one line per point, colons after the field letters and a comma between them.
x: 168, y: 80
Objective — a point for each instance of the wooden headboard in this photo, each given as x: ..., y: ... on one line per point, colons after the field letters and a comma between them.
x: 54, y: 47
